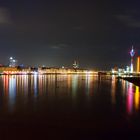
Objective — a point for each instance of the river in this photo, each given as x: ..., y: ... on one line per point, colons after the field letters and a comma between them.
x: 68, y: 107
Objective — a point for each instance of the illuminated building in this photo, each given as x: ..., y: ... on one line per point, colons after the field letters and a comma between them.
x: 75, y: 65
x: 12, y: 62
x: 127, y: 69
x: 132, y: 53
x: 138, y: 64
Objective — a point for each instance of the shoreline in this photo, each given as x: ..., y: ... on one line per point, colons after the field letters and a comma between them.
x: 134, y: 80
x: 50, y: 73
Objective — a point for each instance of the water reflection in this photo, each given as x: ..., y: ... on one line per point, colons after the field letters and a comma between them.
x: 89, y: 85
x: 132, y: 98
x: 113, y: 90
x: 74, y: 84
x: 6, y: 84
x: 137, y: 98
x: 130, y: 95
x: 12, y: 92
x: 22, y: 88
x: 124, y: 87
x: 35, y: 85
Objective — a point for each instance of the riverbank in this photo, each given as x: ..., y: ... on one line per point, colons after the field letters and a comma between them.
x: 134, y: 80
x: 44, y: 70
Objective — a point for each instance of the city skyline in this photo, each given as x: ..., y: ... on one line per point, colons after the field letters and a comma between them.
x: 133, y: 64
x: 14, y: 61
x: 97, y: 34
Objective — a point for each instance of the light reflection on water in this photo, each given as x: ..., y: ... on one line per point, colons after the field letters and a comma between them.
x: 35, y: 85
x: 12, y: 92
x: 74, y: 84
x: 68, y: 87
x: 130, y: 95
x: 137, y: 98
x: 113, y: 90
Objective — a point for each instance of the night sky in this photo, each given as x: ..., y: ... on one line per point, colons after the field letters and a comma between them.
x: 97, y: 33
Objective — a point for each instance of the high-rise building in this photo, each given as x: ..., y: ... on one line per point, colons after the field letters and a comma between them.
x: 12, y: 62
x: 138, y: 64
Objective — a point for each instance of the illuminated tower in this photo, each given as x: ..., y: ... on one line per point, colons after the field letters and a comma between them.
x: 138, y: 64
x: 132, y: 53
x: 75, y: 65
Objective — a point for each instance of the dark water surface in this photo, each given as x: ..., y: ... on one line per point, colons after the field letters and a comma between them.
x: 68, y: 107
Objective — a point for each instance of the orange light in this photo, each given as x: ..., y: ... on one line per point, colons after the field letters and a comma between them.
x: 137, y: 96
x: 138, y: 64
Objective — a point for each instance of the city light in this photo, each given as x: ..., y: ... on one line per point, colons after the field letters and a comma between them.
x: 138, y: 64
x: 132, y: 53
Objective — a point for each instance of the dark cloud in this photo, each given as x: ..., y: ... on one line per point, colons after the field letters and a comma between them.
x: 5, y: 18
x: 129, y: 20
x: 59, y: 46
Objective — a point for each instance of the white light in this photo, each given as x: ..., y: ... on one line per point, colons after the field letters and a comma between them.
x: 11, y: 57
x: 35, y: 73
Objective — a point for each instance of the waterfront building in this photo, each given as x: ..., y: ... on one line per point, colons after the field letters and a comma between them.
x: 12, y: 62
x: 75, y: 65
x: 128, y: 69
x: 138, y: 64
x: 8, y: 70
